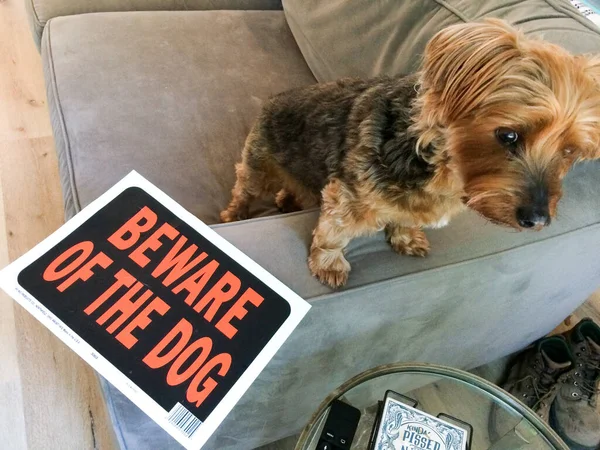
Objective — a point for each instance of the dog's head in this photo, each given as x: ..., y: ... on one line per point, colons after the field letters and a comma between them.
x: 512, y: 115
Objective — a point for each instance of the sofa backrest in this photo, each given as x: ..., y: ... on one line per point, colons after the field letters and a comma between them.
x: 365, y: 38
x: 41, y: 11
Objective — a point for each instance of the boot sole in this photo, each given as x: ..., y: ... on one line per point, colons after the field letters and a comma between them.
x: 572, y: 445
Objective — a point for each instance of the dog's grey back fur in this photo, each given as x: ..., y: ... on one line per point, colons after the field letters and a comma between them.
x: 310, y: 131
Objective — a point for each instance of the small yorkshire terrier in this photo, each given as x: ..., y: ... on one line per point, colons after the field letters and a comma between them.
x: 493, y: 121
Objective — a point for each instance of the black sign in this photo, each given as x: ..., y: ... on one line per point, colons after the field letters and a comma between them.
x: 178, y: 316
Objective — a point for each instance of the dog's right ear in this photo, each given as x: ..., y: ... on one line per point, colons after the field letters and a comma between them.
x: 463, y: 62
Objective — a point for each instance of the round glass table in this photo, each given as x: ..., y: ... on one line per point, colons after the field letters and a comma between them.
x: 498, y: 420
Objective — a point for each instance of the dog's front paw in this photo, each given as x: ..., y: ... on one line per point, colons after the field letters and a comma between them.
x: 233, y: 215
x: 329, y: 266
x: 332, y: 278
x: 416, y: 249
x: 409, y: 242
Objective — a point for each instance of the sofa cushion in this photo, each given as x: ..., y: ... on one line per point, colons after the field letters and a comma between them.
x: 365, y: 38
x: 169, y: 94
x: 41, y: 11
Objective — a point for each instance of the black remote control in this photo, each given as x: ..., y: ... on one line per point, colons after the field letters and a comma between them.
x: 340, y: 427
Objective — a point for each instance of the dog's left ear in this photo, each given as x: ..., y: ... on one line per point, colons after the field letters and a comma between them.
x: 591, y: 67
x: 463, y: 62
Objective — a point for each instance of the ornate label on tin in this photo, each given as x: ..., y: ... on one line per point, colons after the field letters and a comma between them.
x: 406, y: 428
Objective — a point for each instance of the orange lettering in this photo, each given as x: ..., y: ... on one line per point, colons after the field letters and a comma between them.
x: 174, y: 377
x: 85, y: 272
x: 155, y: 360
x: 142, y: 320
x: 52, y: 273
x: 195, y: 283
x: 179, y: 263
x: 223, y: 291
x: 193, y: 395
x: 144, y: 220
x: 152, y: 243
x: 238, y: 311
x: 123, y: 279
x: 125, y: 307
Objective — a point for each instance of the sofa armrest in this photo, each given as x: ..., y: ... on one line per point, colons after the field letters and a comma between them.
x: 40, y: 11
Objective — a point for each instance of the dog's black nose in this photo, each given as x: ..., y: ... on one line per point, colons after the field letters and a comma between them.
x: 532, y: 216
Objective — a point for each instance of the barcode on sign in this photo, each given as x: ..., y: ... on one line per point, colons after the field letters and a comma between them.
x: 183, y: 419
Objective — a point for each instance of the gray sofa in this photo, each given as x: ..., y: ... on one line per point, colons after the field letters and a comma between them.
x: 153, y: 86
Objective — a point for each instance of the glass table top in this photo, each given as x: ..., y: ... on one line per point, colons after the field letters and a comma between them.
x: 499, y: 421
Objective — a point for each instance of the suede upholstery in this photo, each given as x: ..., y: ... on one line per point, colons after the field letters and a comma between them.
x: 41, y: 11
x: 372, y: 38
x: 175, y: 106
x: 173, y: 95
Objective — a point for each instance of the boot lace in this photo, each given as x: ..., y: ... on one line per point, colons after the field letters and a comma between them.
x: 586, y: 375
x: 541, y: 386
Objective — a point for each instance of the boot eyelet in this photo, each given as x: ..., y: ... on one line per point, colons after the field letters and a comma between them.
x: 575, y: 383
x: 524, y: 395
x: 575, y: 394
x: 576, y: 374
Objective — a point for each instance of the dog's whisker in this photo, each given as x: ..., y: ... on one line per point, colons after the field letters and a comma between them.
x: 484, y: 195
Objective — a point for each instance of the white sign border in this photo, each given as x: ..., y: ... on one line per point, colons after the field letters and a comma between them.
x: 298, y: 309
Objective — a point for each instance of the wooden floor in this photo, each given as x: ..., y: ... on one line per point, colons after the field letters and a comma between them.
x: 49, y: 398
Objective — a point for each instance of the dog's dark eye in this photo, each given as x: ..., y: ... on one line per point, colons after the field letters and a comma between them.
x: 507, y: 137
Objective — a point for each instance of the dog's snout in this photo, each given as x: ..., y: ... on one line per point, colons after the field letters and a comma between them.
x: 535, y: 213
x: 533, y: 216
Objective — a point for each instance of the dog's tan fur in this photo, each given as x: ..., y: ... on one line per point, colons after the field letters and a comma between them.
x: 480, y: 76
x: 474, y: 79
